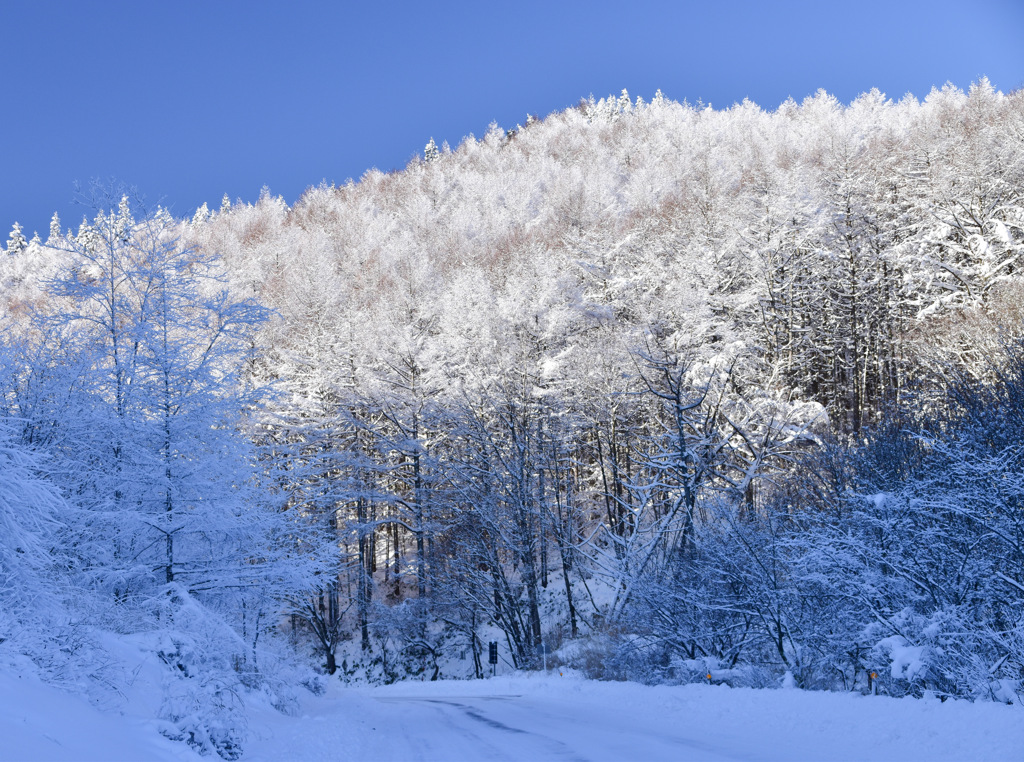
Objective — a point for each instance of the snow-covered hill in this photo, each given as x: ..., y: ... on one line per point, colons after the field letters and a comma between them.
x: 648, y: 389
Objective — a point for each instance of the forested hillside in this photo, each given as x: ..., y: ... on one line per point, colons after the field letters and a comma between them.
x: 672, y: 391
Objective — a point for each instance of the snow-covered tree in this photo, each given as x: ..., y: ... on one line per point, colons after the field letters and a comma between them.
x: 431, y: 152
x: 16, y: 242
x: 160, y: 449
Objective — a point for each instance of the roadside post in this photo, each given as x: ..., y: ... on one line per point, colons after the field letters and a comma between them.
x: 543, y: 650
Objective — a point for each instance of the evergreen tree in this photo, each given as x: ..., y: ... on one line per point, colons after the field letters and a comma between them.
x: 16, y: 242
x: 431, y: 152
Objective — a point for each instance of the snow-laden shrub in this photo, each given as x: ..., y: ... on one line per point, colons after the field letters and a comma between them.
x: 709, y: 669
x: 202, y: 703
x: 616, y: 655
x: 410, y: 644
x: 937, y: 653
x: 204, y: 712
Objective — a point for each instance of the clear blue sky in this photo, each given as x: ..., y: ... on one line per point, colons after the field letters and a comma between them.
x: 189, y: 100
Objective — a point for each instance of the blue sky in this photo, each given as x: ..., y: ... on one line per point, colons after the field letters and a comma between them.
x: 187, y: 101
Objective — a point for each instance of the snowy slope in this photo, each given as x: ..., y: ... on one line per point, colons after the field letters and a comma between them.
x: 41, y: 722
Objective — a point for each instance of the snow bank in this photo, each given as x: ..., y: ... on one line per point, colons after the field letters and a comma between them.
x: 39, y: 723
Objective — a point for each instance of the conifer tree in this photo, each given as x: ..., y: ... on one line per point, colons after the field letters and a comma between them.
x: 431, y: 152
x: 16, y: 242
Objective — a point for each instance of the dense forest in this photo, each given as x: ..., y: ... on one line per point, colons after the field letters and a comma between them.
x: 672, y: 393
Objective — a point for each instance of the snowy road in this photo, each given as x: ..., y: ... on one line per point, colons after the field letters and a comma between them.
x: 486, y: 727
x: 528, y: 728
x: 571, y: 720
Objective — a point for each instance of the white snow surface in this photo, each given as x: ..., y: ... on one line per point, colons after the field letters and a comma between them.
x: 535, y: 717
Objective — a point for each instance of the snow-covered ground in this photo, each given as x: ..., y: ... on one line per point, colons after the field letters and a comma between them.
x: 534, y: 717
